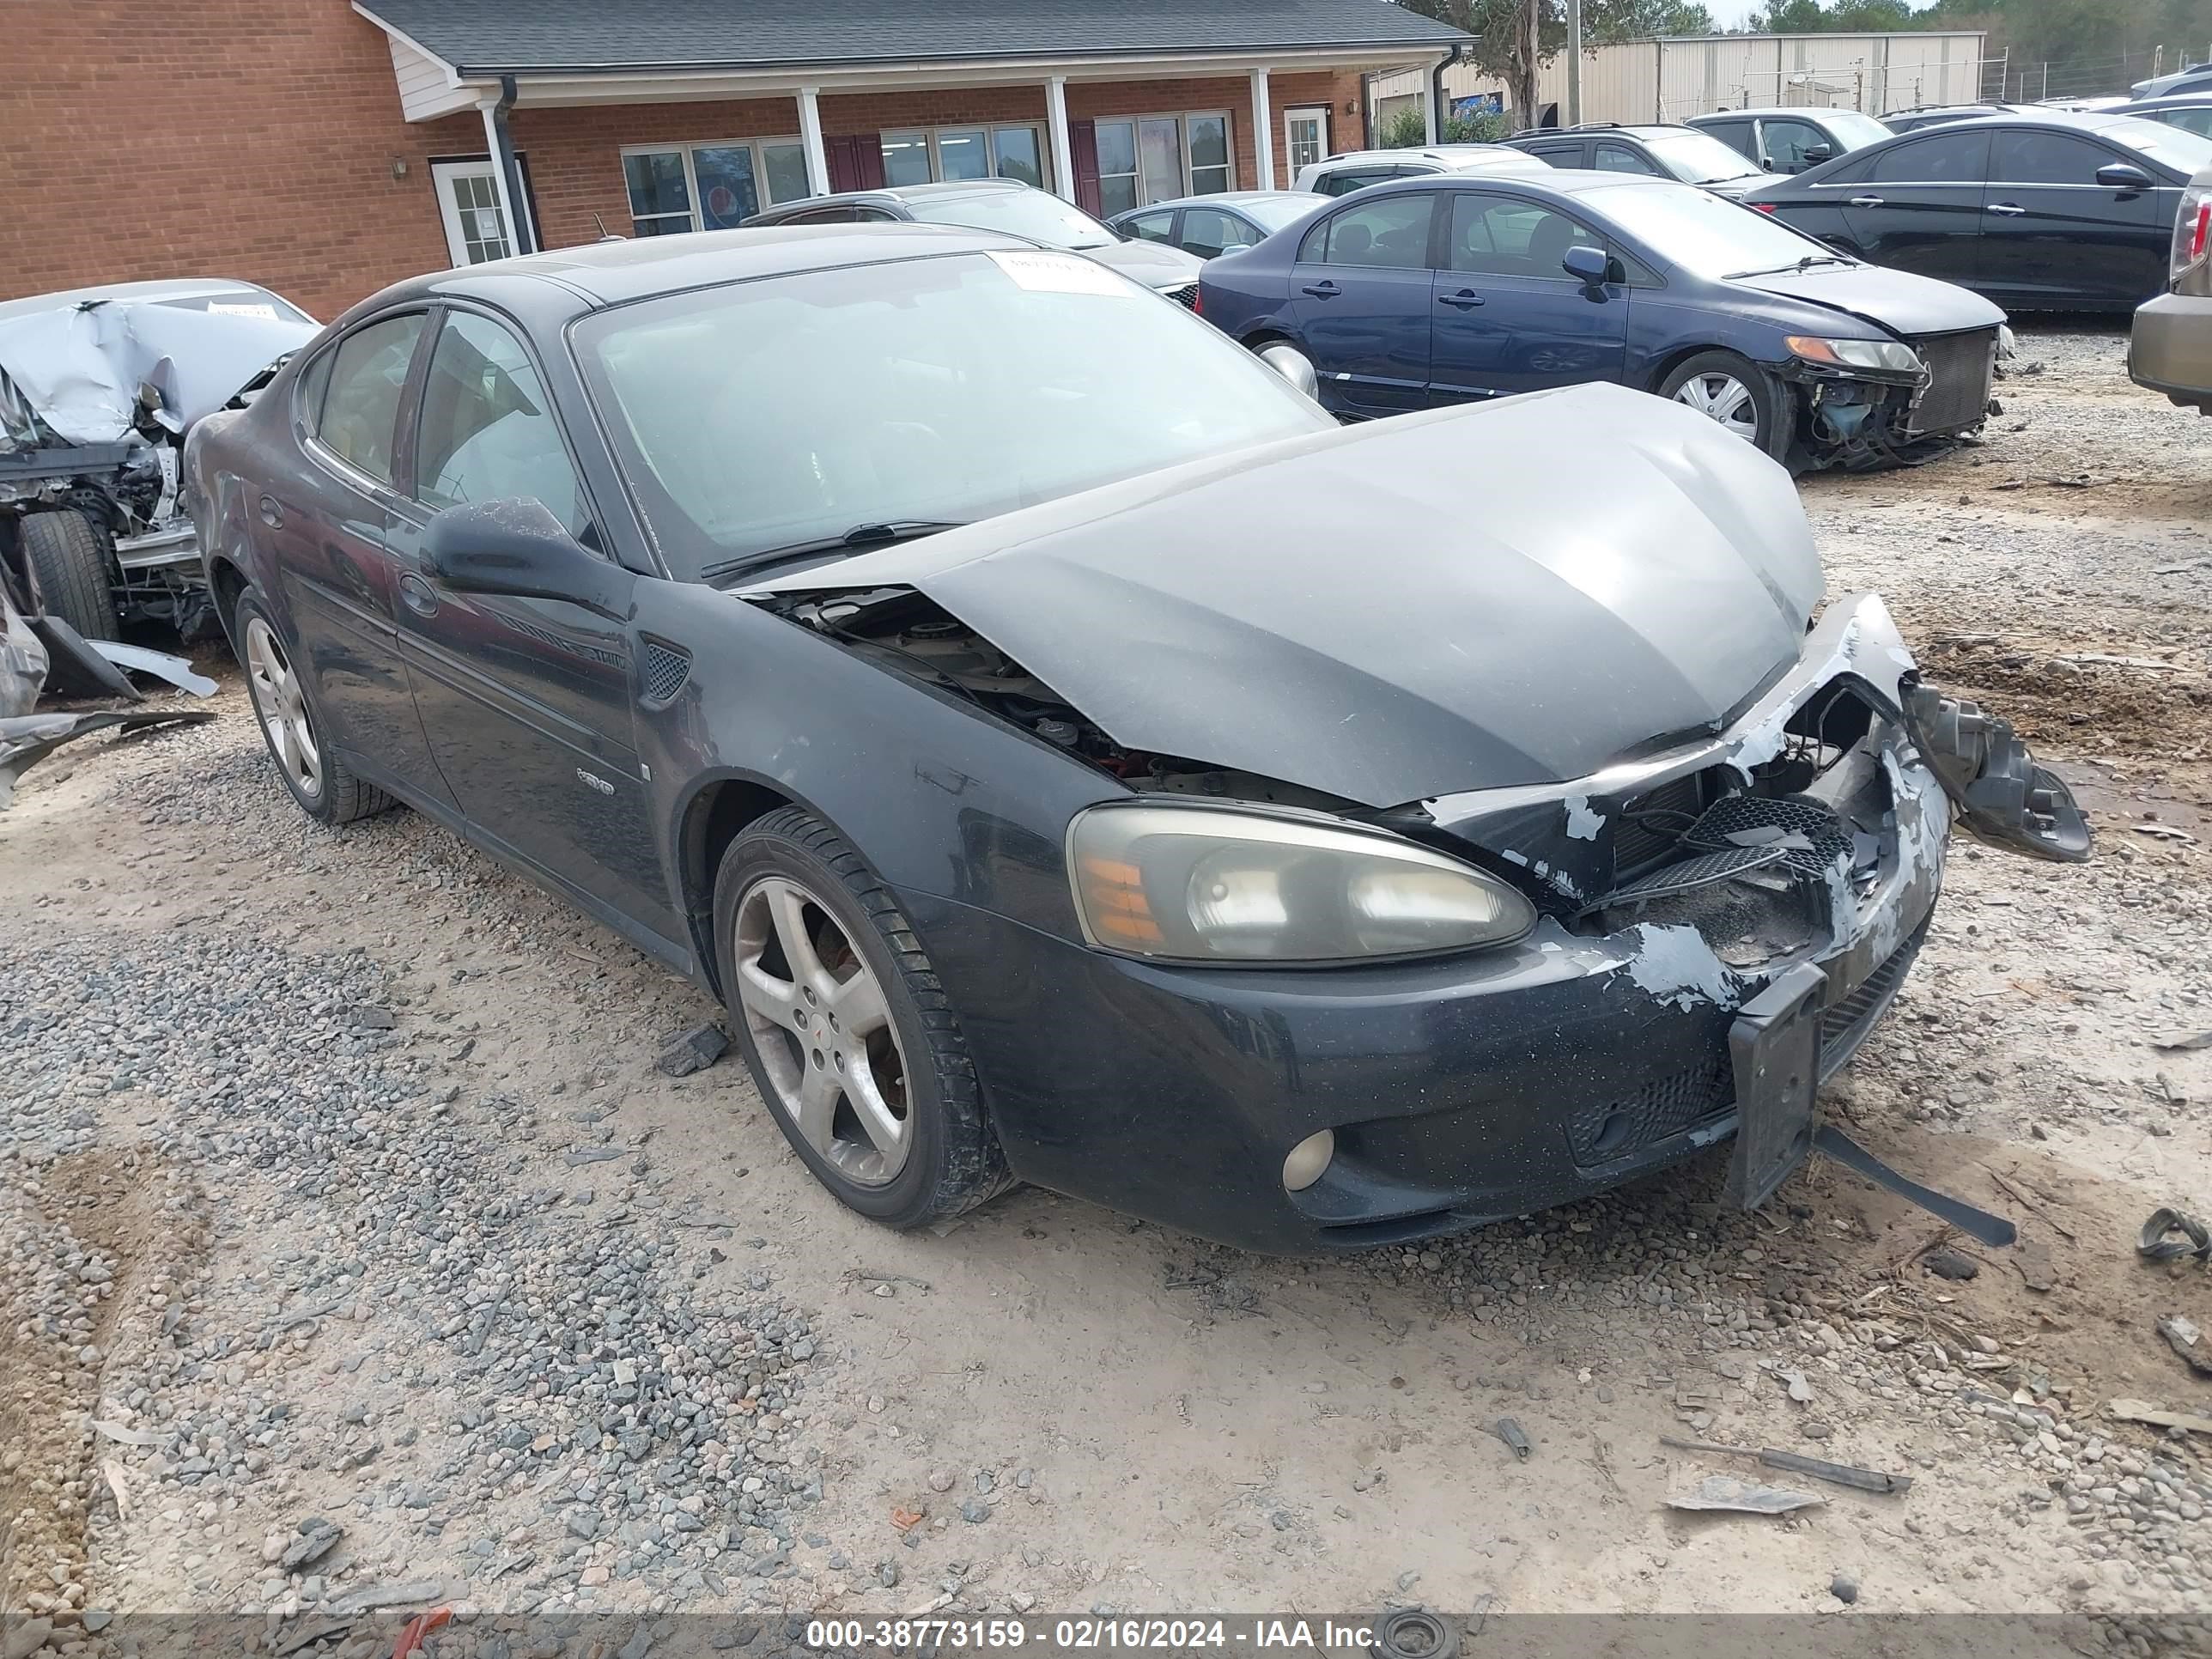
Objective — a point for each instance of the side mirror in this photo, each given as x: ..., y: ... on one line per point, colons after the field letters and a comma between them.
x: 1588, y: 264
x: 1235, y: 247
x: 519, y: 549
x: 2123, y: 175
x: 1816, y: 154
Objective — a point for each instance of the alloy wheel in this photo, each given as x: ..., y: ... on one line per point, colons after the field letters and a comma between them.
x: 1724, y: 398
x: 282, y: 707
x: 823, y: 1031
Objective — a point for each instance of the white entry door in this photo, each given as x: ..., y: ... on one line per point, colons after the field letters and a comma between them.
x: 1305, y: 138
x: 468, y: 203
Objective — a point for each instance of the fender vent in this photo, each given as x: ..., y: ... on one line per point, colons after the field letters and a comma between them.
x: 666, y: 668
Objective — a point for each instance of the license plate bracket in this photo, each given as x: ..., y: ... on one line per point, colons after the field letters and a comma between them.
x: 1774, y: 1047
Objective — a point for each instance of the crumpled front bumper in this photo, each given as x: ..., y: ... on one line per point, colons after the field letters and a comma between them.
x: 1465, y: 1088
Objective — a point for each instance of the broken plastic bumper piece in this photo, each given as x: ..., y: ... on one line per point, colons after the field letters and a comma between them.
x: 2002, y: 796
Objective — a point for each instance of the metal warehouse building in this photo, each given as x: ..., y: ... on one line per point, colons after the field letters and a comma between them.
x: 1669, y: 80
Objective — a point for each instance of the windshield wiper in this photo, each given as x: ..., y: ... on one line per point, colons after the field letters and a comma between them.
x: 876, y: 533
x: 1805, y: 264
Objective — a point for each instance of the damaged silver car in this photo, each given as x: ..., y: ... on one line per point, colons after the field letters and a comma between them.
x: 97, y: 388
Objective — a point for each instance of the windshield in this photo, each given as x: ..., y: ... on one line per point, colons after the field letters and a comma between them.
x: 1694, y: 157
x: 1856, y: 131
x: 1704, y: 233
x: 1031, y: 213
x: 767, y: 415
x: 239, y: 303
x: 2177, y: 147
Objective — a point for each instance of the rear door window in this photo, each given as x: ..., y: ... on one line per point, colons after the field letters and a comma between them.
x: 1736, y: 134
x: 361, y: 408
x: 1950, y: 158
x: 1151, y: 227
x: 1209, y: 231
x: 1391, y: 234
x: 1619, y: 158
x: 1557, y: 155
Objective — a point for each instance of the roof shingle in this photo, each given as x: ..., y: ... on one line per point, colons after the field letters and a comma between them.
x: 491, y: 37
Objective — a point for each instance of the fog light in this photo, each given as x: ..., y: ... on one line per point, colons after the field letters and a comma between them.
x: 1308, y: 1159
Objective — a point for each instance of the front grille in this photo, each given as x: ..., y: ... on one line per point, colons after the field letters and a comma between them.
x: 1845, y: 1022
x: 1185, y: 295
x: 1606, y: 1130
x: 1810, y: 838
x: 1649, y: 824
x: 1959, y: 368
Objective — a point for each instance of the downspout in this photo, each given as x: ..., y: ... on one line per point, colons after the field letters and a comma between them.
x: 1436, y: 105
x: 510, y: 170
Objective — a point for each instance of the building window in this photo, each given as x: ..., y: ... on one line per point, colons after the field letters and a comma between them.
x: 711, y: 186
x: 1157, y: 158
x: 922, y: 156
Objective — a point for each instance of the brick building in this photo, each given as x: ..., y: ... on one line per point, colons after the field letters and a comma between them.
x: 325, y: 149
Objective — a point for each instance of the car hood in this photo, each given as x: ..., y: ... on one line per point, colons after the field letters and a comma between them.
x: 1406, y: 608
x: 1896, y: 300
x: 1153, y: 263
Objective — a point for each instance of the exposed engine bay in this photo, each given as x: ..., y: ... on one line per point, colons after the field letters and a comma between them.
x: 1768, y: 844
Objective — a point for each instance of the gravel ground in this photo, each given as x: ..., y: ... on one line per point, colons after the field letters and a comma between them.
x: 355, y: 1252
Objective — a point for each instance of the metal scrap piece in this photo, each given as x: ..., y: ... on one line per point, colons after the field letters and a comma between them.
x: 1838, y: 1475
x: 2185, y: 1339
x: 2156, y: 1242
x: 29, y: 738
x: 162, y: 665
x: 1512, y: 1434
x: 1725, y: 1492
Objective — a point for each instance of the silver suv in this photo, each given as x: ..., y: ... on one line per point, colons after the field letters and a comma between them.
x: 2170, y: 348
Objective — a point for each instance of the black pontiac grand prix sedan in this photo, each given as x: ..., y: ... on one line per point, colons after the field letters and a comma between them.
x: 1073, y: 757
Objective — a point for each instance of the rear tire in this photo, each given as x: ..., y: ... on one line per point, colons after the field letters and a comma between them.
x: 69, y: 556
x: 298, y: 737
x: 1737, y: 394
x: 883, y: 1107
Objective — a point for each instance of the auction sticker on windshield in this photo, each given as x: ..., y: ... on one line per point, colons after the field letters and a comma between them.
x: 1058, y: 273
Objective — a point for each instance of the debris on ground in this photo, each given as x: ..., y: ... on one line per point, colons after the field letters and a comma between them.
x: 695, y: 1051
x: 1844, y: 1587
x: 2142, y: 1410
x: 27, y: 739
x: 2184, y: 1336
x: 2158, y: 1243
x: 1950, y: 1264
x: 1841, y: 1474
x: 1512, y: 1434
x: 1725, y: 1492
x: 2184, y: 1039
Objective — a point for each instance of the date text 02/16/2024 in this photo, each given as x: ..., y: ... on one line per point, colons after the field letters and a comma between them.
x: 1089, y: 1632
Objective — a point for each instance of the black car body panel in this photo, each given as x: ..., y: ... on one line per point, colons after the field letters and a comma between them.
x: 2011, y: 205
x: 611, y: 745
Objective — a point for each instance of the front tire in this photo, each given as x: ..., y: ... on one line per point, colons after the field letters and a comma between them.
x: 324, y: 788
x: 1736, y: 394
x: 850, y: 1038
x: 69, y: 555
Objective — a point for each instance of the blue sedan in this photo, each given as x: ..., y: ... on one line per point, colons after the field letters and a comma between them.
x: 1441, y: 290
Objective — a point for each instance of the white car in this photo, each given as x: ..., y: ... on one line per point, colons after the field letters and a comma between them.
x: 1340, y: 175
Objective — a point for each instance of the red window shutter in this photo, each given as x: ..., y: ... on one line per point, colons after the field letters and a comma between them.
x: 1083, y: 151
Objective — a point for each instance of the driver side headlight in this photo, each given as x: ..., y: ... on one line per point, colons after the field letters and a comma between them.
x: 1892, y: 355
x: 1200, y: 885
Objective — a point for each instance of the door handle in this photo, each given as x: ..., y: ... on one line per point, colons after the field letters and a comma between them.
x: 1866, y: 200
x: 1465, y: 300
x: 1323, y: 290
x: 271, y: 514
x: 2010, y: 209
x: 416, y: 594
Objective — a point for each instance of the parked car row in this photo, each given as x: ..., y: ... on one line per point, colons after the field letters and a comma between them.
x: 1072, y: 756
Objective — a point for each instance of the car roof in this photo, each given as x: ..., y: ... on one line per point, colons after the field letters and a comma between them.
x: 169, y: 287
x: 1565, y: 181
x: 1797, y: 113
x: 611, y: 272
x: 1424, y: 152
x: 2164, y: 100
x: 1584, y: 129
x: 1221, y: 199
x: 2076, y: 120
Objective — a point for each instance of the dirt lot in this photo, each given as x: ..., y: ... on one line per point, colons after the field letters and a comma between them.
x: 350, y: 1241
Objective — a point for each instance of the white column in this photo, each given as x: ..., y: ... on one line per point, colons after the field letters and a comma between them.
x: 500, y: 155
x: 809, y: 140
x: 1263, y: 132
x: 1063, y: 153
x: 1430, y: 92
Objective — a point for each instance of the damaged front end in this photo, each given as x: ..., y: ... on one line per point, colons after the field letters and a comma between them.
x: 1878, y: 412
